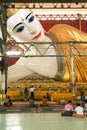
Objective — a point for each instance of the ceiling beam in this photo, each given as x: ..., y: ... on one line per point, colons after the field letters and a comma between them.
x: 43, y: 1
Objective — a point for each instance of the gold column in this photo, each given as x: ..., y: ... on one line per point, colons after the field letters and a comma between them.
x: 80, y: 25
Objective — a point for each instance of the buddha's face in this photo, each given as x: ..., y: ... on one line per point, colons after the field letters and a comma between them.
x: 23, y: 26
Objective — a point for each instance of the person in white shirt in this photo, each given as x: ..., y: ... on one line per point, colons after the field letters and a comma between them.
x: 32, y: 91
x: 79, y: 111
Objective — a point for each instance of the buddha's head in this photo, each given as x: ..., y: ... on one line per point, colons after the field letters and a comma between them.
x: 23, y: 25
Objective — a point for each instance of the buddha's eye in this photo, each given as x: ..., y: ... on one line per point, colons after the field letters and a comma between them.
x: 30, y: 19
x: 20, y: 29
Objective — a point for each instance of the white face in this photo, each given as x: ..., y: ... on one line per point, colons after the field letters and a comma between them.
x: 23, y: 26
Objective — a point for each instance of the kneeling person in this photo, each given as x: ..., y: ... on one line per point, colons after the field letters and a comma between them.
x: 68, y: 109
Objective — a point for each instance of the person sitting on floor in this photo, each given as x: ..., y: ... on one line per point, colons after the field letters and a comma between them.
x: 31, y: 102
x: 8, y: 101
x: 44, y: 101
x: 85, y: 106
x: 79, y: 111
x: 68, y: 109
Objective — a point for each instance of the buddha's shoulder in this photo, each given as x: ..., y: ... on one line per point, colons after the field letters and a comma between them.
x: 61, y: 27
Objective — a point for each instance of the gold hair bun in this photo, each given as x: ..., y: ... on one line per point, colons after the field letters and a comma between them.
x: 14, y: 7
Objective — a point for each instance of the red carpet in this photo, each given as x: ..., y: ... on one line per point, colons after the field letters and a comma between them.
x: 27, y: 106
x: 24, y: 108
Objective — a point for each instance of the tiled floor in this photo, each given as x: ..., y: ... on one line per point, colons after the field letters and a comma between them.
x: 41, y: 121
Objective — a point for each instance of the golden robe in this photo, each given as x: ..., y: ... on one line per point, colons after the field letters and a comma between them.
x: 67, y: 33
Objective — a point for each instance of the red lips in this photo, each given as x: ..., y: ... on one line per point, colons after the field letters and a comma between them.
x: 37, y: 36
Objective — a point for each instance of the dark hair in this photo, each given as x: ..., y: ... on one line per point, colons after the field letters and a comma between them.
x: 85, y: 101
x: 8, y: 97
x: 44, y: 96
x: 78, y: 104
x: 69, y: 101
